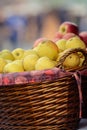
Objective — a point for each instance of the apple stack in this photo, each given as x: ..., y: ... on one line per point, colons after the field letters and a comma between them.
x: 46, y: 53
x: 67, y: 37
x: 34, y: 92
x: 68, y: 30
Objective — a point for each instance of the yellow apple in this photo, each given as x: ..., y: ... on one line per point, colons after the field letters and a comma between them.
x: 8, y: 61
x: 15, y: 66
x: 18, y: 53
x: 47, y: 48
x: 5, y: 50
x: 29, y: 62
x: 72, y: 61
x: 44, y: 63
x: 61, y: 44
x: 29, y: 52
x: 6, y: 54
x: 82, y: 58
x: 75, y: 42
x: 2, y: 64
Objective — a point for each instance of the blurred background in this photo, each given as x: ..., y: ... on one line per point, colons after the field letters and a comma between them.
x: 23, y: 21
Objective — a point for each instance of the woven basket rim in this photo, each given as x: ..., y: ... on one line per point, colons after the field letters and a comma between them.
x: 36, y: 76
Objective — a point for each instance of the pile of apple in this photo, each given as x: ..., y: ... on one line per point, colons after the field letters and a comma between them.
x: 46, y: 53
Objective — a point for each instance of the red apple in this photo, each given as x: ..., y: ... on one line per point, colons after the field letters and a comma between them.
x: 57, y: 36
x: 56, y: 39
x: 83, y: 36
x: 69, y: 35
x: 37, y: 41
x: 68, y: 27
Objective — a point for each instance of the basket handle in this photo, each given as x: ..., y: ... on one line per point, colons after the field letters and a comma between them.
x: 70, y: 51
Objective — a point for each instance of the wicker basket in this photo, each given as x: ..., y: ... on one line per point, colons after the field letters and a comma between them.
x: 84, y: 94
x: 40, y: 100
x: 83, y: 74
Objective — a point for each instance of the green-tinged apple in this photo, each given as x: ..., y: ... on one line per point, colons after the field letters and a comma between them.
x: 72, y: 61
x: 8, y: 61
x: 2, y: 64
x: 61, y: 44
x: 15, y: 66
x: 18, y: 53
x: 5, y: 50
x: 47, y: 48
x: 29, y: 62
x: 68, y: 27
x: 7, y: 54
x: 29, y: 52
x: 75, y: 42
x: 44, y: 63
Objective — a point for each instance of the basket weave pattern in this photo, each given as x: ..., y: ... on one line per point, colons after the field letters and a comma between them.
x: 41, y: 104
